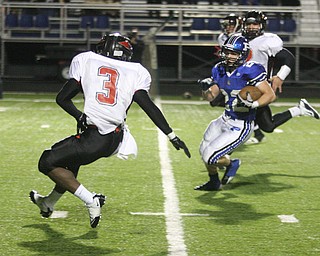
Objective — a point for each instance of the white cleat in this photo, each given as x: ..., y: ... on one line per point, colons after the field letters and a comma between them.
x: 94, y: 209
x: 40, y: 201
x: 255, y: 140
x: 307, y: 109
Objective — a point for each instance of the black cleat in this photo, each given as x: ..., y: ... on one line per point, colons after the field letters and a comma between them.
x: 209, y: 186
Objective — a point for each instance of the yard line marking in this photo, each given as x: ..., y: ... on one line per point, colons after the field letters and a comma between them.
x: 175, y: 233
x: 35, y: 100
x: 59, y: 214
x: 277, y: 130
x: 288, y: 218
x: 162, y: 214
x: 155, y: 129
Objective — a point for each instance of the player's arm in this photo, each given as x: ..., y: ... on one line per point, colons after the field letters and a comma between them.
x: 209, y: 88
x: 211, y: 93
x: 141, y: 97
x: 268, y: 94
x: 64, y: 98
x: 286, y: 61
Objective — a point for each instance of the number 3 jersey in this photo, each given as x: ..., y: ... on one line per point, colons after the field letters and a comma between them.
x: 250, y: 73
x: 108, y: 86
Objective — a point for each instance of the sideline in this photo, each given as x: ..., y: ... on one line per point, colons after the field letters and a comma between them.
x: 174, y: 228
x: 203, y: 102
x: 160, y: 101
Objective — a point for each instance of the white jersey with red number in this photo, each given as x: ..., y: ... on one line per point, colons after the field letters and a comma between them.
x: 108, y: 87
x: 265, y: 46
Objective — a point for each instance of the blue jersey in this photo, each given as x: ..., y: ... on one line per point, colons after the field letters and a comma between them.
x: 250, y: 73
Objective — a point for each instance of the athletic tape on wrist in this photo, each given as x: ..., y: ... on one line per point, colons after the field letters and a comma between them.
x: 284, y: 72
x: 171, y: 135
x: 255, y: 104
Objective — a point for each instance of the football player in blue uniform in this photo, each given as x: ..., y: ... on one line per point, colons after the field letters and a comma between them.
x: 235, y: 126
x: 268, y: 50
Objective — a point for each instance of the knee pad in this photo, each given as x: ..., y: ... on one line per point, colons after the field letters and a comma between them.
x: 44, y: 164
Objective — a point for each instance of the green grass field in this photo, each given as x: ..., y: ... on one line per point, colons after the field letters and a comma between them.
x: 277, y: 177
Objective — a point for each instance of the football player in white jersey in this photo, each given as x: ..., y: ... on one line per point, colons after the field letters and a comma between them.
x: 230, y: 25
x: 110, y: 83
x: 267, y: 49
x: 229, y: 131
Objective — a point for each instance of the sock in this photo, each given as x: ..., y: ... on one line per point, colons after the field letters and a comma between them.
x: 257, y: 132
x: 295, y: 111
x: 84, y: 194
x: 53, y: 198
x: 214, y: 177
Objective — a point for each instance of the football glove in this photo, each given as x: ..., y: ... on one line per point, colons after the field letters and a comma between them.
x: 245, y: 103
x: 82, y: 123
x: 206, y: 83
x: 177, y: 143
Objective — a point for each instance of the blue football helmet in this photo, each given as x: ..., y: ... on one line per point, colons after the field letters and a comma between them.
x: 238, y: 44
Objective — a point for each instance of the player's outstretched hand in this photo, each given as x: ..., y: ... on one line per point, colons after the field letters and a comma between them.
x: 177, y: 143
x: 82, y: 123
x: 206, y: 83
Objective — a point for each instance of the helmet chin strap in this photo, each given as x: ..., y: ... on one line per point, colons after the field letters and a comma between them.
x: 230, y: 69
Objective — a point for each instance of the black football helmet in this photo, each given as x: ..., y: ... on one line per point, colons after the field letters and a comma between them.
x: 238, y: 44
x: 115, y: 46
x: 231, y: 20
x: 254, y: 17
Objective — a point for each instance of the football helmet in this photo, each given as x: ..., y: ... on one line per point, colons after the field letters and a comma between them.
x: 237, y: 44
x: 230, y: 24
x: 254, y: 17
x: 115, y: 46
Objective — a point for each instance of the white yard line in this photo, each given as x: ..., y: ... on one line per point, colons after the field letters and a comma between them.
x: 162, y: 214
x: 288, y: 218
x: 174, y: 228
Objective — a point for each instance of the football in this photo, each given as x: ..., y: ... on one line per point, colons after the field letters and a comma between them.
x: 255, y: 93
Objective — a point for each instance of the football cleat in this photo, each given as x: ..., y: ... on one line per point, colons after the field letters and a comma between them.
x: 40, y: 201
x: 231, y: 171
x: 209, y: 186
x: 307, y: 110
x: 256, y: 139
x: 94, y: 209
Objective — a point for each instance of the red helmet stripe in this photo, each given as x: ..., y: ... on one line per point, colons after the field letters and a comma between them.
x: 126, y: 44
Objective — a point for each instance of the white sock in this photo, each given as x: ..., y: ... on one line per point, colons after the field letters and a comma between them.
x: 295, y: 111
x: 84, y: 194
x: 53, y: 198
